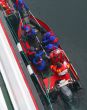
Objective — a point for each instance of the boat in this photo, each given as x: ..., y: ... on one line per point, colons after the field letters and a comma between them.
x: 48, y: 83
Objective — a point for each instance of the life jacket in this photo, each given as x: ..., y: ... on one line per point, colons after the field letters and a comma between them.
x: 56, y: 57
x: 62, y: 72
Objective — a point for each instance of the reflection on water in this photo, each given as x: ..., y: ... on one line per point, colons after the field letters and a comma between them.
x: 78, y: 102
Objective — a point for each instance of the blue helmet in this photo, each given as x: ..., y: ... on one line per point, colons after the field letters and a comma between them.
x: 49, y: 46
x: 52, y: 38
x: 47, y: 34
x: 20, y: 1
x: 26, y: 28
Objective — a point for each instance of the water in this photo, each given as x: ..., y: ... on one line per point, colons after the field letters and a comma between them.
x: 68, y: 19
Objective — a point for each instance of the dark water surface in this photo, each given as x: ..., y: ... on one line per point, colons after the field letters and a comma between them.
x: 68, y: 19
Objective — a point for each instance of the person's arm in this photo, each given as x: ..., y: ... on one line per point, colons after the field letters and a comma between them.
x: 34, y: 32
x: 45, y: 41
x: 40, y: 53
x: 36, y: 62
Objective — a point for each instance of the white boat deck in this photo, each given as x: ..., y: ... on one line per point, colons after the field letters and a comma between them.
x: 3, y: 105
x: 12, y: 75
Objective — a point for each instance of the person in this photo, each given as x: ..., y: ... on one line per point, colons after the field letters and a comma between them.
x: 31, y: 53
x: 61, y: 69
x: 4, y: 4
x: 28, y: 31
x: 50, y: 38
x: 20, y: 4
x: 57, y: 56
x: 38, y: 61
x: 50, y: 47
x: 48, y: 34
